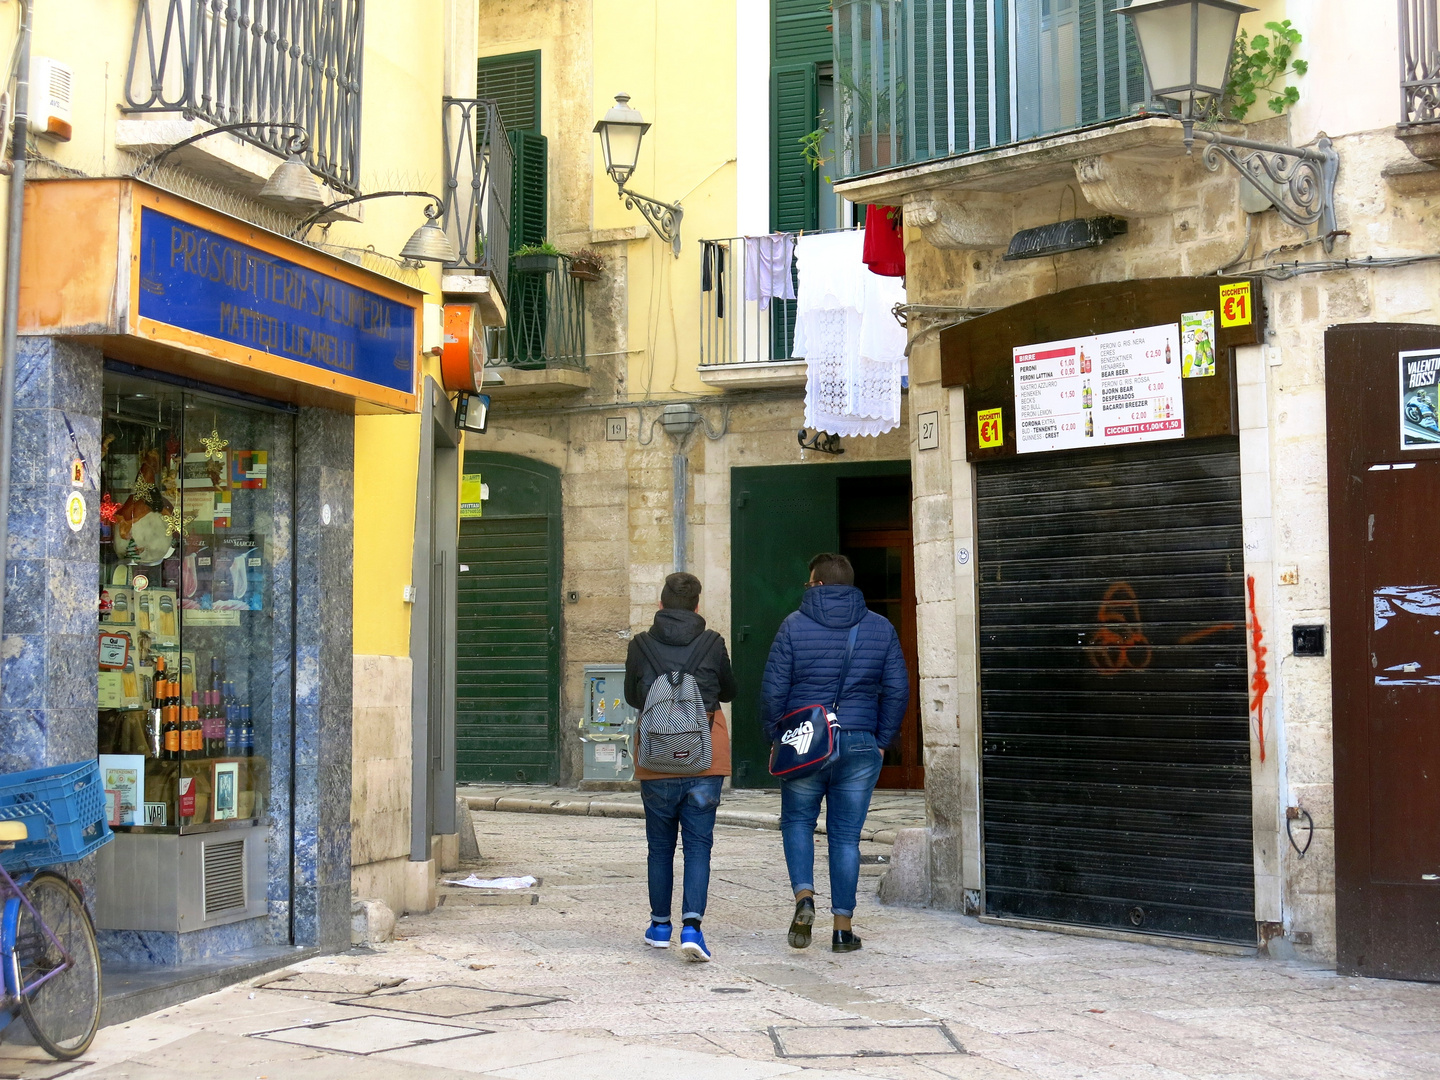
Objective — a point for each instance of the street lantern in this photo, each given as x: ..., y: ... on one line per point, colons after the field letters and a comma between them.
x: 620, y: 133
x: 1186, y: 45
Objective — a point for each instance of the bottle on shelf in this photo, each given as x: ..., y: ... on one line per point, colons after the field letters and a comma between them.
x: 154, y: 725
x: 247, y: 733
x: 169, y: 720
x: 214, y: 723
x: 232, y: 723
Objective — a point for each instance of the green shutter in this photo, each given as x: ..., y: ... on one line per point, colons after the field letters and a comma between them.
x: 528, y: 319
x: 528, y: 189
x: 507, y: 696
x: 794, y: 184
x: 800, y: 30
x: 514, y: 82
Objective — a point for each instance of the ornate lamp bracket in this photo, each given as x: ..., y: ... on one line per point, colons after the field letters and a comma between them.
x: 663, y: 217
x: 1298, y: 181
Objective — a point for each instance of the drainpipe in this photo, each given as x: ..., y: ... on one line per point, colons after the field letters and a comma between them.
x: 9, y: 336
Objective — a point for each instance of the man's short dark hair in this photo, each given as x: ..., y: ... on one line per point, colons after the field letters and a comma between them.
x: 681, y: 591
x: 832, y: 569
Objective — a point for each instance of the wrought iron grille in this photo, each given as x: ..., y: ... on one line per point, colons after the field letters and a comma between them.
x: 1420, y: 60
x: 479, y: 165
x: 545, y: 316
x: 249, y: 61
x: 734, y: 329
x: 925, y: 79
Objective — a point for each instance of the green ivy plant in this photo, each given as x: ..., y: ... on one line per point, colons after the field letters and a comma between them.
x: 546, y: 248
x: 1258, y: 63
x: 812, y: 144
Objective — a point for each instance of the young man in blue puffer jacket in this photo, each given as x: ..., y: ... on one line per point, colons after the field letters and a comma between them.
x: 803, y: 669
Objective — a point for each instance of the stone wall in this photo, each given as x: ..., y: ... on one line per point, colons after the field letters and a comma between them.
x: 380, y: 793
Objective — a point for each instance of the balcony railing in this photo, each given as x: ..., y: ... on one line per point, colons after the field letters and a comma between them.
x: 545, y: 316
x: 734, y: 330
x: 1420, y: 62
x: 252, y: 61
x: 478, y: 169
x: 927, y: 79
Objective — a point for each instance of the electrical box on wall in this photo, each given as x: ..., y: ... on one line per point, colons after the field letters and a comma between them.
x: 52, y: 90
x: 608, y: 730
x: 1308, y: 640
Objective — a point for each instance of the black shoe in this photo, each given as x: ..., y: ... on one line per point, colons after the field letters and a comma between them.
x: 844, y: 941
x: 800, y: 925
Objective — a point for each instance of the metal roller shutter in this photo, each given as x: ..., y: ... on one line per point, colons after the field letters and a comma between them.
x: 507, y: 679
x: 1114, y: 712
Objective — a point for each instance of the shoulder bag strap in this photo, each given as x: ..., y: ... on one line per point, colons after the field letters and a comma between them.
x: 845, y: 667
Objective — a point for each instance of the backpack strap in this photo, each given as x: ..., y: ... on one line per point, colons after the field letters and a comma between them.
x: 845, y: 667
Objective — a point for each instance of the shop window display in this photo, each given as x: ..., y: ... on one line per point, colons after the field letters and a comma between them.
x: 188, y: 562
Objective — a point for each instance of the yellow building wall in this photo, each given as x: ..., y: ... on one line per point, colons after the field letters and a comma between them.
x: 680, y: 74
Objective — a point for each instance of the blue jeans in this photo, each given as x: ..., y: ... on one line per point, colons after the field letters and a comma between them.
x: 846, y: 785
x: 683, y: 805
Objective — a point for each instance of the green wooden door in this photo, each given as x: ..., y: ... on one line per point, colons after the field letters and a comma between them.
x: 507, y: 698
x: 781, y: 517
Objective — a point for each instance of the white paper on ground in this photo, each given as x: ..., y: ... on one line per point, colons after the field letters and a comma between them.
x: 473, y: 882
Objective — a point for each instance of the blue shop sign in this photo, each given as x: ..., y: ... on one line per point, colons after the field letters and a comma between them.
x: 209, y: 284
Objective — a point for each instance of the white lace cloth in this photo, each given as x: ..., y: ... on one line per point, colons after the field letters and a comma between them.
x: 844, y: 330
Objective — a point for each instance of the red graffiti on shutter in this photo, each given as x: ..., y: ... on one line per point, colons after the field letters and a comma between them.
x: 1259, y: 684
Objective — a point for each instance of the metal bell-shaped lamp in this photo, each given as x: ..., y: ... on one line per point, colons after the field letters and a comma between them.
x: 293, y: 184
x: 429, y: 242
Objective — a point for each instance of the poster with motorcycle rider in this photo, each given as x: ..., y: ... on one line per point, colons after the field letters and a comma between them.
x: 1419, y: 403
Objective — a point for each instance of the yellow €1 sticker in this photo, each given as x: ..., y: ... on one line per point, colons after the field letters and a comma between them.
x: 990, y: 428
x: 1235, y: 305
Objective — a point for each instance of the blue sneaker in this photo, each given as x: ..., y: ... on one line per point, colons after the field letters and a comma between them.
x: 658, y: 935
x: 692, y: 944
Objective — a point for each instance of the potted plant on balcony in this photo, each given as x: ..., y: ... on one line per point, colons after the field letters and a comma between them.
x: 544, y: 257
x: 586, y: 265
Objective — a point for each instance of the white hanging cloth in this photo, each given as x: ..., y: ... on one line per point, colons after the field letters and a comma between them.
x: 767, y: 268
x: 844, y: 330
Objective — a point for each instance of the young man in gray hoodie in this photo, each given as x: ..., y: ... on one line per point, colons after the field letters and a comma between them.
x: 681, y: 805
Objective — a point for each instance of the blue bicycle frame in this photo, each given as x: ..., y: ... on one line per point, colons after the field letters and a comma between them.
x: 10, y: 889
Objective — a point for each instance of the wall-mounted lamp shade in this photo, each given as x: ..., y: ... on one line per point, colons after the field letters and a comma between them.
x: 429, y: 244
x: 1186, y: 44
x: 293, y: 184
x: 620, y: 131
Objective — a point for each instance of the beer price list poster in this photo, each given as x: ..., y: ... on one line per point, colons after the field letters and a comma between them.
x: 1101, y: 390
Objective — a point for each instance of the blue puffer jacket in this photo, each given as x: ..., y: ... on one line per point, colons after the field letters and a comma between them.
x: 809, y: 650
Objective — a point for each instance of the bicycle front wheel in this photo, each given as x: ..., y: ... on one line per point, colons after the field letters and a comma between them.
x: 63, y: 1012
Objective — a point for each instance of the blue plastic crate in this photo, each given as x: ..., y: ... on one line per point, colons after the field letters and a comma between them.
x: 64, y: 809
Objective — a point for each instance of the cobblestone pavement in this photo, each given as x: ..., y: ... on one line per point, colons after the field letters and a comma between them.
x: 931, y: 994
x: 889, y: 810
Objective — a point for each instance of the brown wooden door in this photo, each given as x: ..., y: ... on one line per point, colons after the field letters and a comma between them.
x: 884, y: 561
x: 1385, y: 597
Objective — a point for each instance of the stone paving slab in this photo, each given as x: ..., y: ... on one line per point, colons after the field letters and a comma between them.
x: 1022, y: 1004
x: 747, y: 807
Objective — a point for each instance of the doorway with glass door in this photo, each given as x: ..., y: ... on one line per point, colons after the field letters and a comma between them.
x: 783, y: 515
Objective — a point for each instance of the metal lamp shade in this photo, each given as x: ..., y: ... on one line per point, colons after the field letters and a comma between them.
x: 429, y: 244
x: 294, y: 185
x: 620, y: 131
x: 1186, y: 44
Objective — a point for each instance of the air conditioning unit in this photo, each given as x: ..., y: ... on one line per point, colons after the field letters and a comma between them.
x: 52, y: 90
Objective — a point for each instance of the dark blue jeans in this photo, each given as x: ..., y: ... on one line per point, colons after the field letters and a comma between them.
x: 846, y: 785
x: 685, y: 806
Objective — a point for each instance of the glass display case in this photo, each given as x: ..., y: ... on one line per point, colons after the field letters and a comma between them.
x: 188, y: 557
